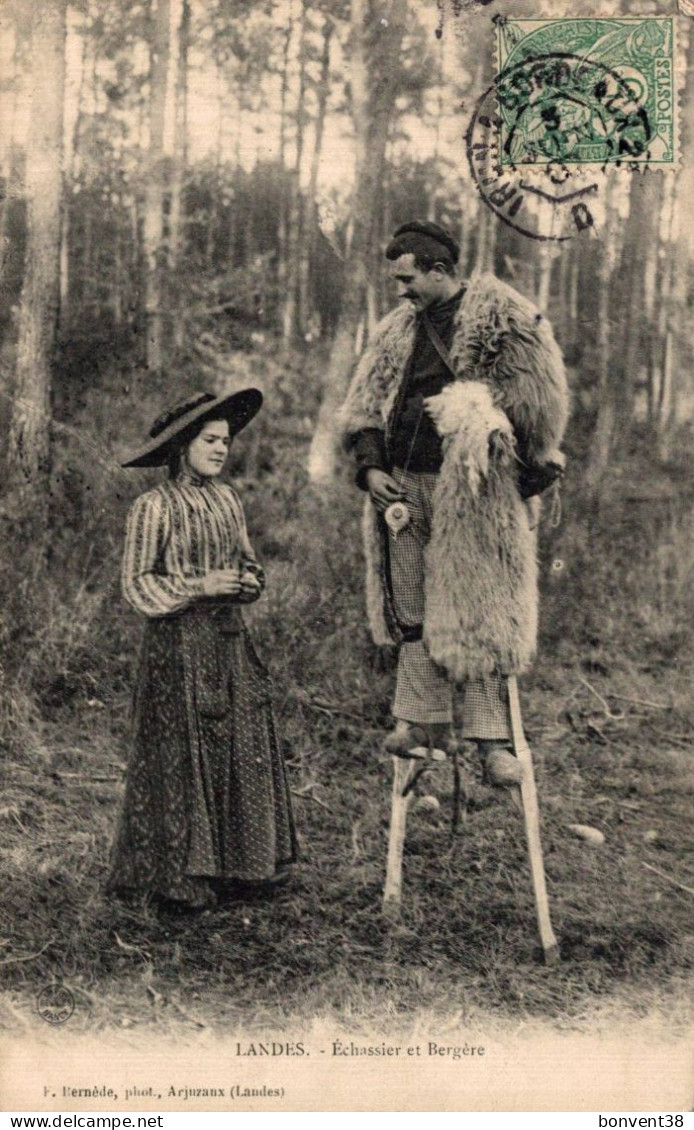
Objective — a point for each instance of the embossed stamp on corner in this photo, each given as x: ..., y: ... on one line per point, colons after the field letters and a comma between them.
x: 586, y: 91
x: 55, y: 1003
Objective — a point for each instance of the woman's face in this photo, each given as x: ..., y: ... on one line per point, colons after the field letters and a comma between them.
x: 207, y: 453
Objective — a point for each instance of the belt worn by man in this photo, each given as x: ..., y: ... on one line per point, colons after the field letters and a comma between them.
x: 454, y: 414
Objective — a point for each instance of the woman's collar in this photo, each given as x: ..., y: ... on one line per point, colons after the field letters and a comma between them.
x: 190, y: 478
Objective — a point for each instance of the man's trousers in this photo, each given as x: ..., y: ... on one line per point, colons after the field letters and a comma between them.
x: 424, y: 693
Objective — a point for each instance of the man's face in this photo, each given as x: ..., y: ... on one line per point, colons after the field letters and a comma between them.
x: 420, y: 287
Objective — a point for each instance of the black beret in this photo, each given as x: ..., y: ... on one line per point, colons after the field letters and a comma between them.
x: 434, y: 231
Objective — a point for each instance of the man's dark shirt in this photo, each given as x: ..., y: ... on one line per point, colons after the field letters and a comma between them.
x: 413, y: 442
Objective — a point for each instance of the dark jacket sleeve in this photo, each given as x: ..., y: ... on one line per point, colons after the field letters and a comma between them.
x: 369, y: 450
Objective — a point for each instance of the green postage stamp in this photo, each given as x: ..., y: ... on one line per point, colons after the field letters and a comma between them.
x: 586, y: 91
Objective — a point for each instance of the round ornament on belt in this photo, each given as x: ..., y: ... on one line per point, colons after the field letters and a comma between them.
x: 397, y: 517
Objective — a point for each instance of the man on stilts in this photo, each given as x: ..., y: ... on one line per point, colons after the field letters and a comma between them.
x: 455, y: 414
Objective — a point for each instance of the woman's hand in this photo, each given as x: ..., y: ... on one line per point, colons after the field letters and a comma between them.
x: 382, y: 488
x: 251, y: 587
x: 222, y: 582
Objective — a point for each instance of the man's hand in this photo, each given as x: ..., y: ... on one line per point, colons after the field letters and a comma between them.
x: 221, y: 582
x: 383, y: 490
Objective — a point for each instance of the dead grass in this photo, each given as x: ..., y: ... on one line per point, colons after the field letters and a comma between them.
x: 466, y: 942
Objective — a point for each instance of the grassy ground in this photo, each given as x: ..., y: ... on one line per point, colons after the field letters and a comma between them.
x: 608, y: 709
x: 609, y: 714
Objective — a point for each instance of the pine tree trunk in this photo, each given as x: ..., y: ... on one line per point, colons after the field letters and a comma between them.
x: 573, y: 291
x: 376, y: 47
x: 563, y: 275
x: 64, y: 285
x: 662, y: 312
x: 386, y: 229
x: 12, y: 117
x: 83, y: 115
x: 29, y: 446
x: 180, y: 154
x: 664, y: 401
x: 290, y: 315
x: 212, y: 229
x: 69, y: 163
x: 308, y: 241
x: 546, y: 257
x: 485, y: 249
x: 673, y: 321
x: 281, y: 200
x: 87, y: 243
x: 464, y: 235
x: 433, y: 184
x: 154, y: 190
x: 641, y: 228
x: 118, y: 269
x: 9, y: 80
x: 179, y: 164
x: 608, y: 374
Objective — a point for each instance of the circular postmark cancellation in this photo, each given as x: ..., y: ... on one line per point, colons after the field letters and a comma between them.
x: 55, y: 1003
x: 632, y: 56
x: 543, y: 129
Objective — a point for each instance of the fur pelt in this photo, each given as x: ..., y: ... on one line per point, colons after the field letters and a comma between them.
x: 500, y: 338
x: 481, y: 544
x: 481, y: 592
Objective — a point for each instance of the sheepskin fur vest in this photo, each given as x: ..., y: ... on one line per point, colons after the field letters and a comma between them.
x: 481, y: 597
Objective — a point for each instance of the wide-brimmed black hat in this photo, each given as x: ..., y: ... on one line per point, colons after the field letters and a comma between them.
x: 168, y: 430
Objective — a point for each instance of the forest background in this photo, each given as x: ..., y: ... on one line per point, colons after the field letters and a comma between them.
x: 198, y: 194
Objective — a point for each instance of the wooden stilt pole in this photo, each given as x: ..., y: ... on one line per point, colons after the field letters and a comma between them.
x: 527, y: 795
x: 402, y: 771
x: 525, y: 799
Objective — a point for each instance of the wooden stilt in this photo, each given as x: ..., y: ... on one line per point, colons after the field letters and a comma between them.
x: 526, y: 794
x: 405, y: 770
x: 402, y: 772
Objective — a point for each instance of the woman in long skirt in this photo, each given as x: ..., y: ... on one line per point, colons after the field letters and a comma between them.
x: 207, y: 800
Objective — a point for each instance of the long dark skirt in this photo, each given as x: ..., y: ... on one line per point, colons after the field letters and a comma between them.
x: 206, y: 793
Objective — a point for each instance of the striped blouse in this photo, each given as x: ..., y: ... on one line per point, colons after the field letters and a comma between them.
x: 177, y: 533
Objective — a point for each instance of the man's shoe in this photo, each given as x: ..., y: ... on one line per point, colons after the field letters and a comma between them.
x: 403, y: 737
x: 503, y: 769
x: 414, y: 741
x: 442, y: 737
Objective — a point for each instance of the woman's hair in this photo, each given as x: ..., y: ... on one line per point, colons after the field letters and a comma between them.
x: 175, y: 461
